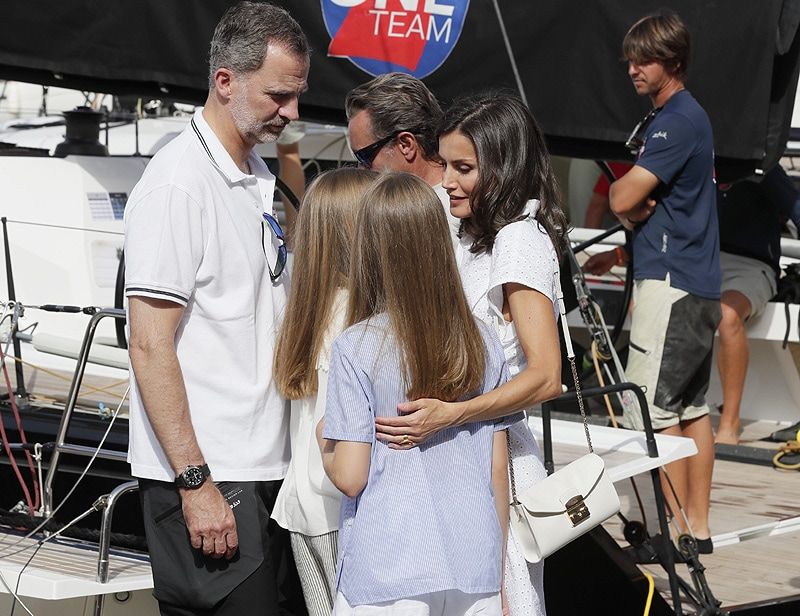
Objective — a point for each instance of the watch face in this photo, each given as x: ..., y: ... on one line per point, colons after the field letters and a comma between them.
x: 193, y: 477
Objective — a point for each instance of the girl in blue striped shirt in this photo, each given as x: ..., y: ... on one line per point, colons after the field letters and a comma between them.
x: 421, y: 530
x: 501, y: 185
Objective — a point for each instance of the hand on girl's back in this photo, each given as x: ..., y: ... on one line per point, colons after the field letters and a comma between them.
x: 416, y: 422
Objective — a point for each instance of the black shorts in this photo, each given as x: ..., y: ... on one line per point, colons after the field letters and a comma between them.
x: 672, y: 340
x: 188, y: 582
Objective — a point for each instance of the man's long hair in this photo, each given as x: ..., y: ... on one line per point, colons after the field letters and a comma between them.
x: 662, y: 38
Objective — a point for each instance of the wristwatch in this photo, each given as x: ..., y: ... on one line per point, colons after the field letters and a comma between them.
x: 193, y: 477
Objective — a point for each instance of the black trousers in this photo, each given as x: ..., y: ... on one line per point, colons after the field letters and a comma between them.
x: 187, y: 583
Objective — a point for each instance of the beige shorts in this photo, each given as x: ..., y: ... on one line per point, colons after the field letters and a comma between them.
x: 672, y: 337
x: 752, y: 278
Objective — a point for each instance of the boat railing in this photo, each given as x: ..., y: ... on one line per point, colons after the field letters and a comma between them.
x: 699, y: 594
x: 61, y: 445
x: 666, y: 557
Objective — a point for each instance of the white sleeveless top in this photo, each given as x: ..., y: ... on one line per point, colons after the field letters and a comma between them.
x: 308, y: 502
x: 522, y: 253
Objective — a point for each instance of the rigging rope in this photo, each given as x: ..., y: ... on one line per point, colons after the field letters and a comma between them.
x: 74, y: 485
x: 510, y: 53
x: 33, y: 503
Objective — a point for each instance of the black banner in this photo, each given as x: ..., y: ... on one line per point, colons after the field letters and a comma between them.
x: 743, y: 71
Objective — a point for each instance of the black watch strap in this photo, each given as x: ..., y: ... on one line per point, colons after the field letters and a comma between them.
x: 193, y: 477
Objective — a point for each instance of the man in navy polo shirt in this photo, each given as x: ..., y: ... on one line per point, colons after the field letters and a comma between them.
x: 668, y: 200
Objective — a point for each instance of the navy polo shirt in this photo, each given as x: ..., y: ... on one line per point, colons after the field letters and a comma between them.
x: 681, y: 238
x: 751, y: 214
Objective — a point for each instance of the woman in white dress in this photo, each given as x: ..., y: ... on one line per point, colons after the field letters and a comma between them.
x: 308, y: 504
x: 501, y: 185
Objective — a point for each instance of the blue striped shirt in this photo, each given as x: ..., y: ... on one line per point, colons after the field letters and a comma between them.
x: 426, y: 520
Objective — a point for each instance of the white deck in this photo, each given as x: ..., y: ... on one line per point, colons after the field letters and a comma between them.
x: 64, y: 569
x: 751, y: 505
x: 623, y: 451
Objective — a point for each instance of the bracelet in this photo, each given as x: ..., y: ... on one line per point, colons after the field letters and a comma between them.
x: 621, y: 256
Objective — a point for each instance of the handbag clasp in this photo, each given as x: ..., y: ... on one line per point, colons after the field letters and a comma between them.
x: 577, y: 511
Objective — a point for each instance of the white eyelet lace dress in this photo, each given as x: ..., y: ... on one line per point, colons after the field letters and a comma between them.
x: 522, y: 253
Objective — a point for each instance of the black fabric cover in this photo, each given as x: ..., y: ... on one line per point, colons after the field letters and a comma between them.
x: 743, y: 71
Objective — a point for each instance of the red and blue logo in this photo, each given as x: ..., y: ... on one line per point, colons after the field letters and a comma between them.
x: 382, y: 36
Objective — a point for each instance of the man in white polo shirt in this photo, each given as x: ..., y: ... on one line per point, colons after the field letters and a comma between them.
x: 205, y: 286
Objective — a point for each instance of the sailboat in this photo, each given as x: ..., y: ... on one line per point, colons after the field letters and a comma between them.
x: 63, y: 225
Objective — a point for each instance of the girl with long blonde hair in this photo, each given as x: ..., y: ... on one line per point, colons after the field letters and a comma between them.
x: 422, y: 531
x: 307, y: 504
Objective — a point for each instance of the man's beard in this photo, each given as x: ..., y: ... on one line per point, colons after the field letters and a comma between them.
x: 248, y: 125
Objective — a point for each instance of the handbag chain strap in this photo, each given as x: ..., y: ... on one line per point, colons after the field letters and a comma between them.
x: 514, y: 500
x: 578, y: 393
x: 571, y: 356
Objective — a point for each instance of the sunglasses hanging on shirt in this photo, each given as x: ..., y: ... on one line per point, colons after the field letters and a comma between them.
x: 636, y: 139
x: 275, y: 229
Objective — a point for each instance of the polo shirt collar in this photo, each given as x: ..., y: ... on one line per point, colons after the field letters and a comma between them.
x: 216, y: 152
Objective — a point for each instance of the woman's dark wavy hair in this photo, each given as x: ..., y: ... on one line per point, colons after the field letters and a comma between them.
x: 513, y: 167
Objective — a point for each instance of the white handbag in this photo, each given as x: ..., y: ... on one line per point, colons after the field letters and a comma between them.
x: 570, y: 502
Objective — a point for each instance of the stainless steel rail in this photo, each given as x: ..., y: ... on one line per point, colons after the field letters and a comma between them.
x: 61, y: 446
x: 109, y: 502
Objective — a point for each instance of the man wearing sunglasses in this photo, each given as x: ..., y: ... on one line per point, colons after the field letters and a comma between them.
x: 205, y: 285
x: 668, y: 200
x: 392, y: 123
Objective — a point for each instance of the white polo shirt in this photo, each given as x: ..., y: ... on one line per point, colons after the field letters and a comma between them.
x: 193, y: 236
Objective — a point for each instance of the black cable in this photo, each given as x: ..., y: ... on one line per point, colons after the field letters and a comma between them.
x: 19, y: 579
x: 606, y: 170
x: 287, y: 192
x: 119, y: 302
x: 124, y: 540
x: 628, y: 289
x: 598, y: 238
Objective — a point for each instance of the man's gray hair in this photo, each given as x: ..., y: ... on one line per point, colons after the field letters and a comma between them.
x: 396, y: 101
x: 243, y: 33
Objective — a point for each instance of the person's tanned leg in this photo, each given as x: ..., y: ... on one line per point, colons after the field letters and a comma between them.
x: 691, y: 477
x: 678, y: 475
x: 732, y: 362
x: 699, y: 470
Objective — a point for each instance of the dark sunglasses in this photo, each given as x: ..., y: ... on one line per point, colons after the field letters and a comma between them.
x: 636, y: 139
x: 276, y: 230
x: 367, y: 154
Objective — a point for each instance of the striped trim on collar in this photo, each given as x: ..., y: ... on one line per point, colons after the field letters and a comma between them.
x: 203, y: 142
x: 212, y: 145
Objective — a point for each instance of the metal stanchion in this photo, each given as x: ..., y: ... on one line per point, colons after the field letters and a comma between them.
x: 667, y: 558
